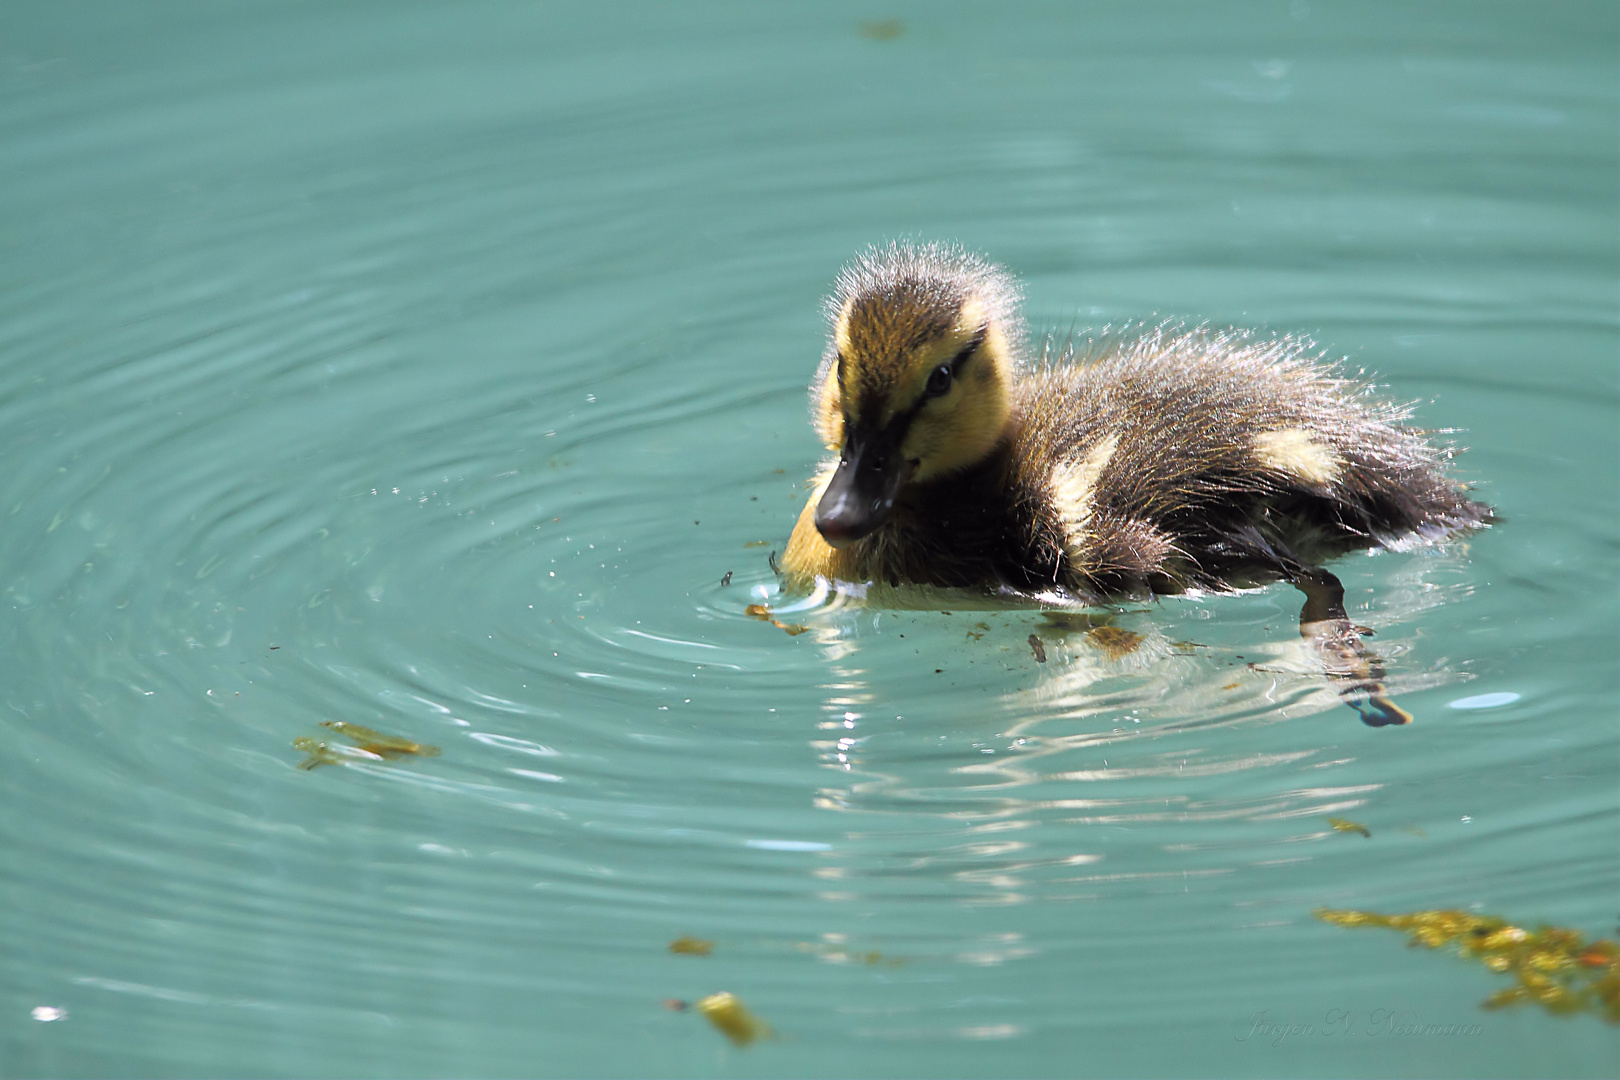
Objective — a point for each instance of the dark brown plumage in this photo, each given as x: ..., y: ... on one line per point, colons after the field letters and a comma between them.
x: 1185, y: 500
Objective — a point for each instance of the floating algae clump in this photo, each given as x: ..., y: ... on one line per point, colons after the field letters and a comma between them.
x: 1552, y: 966
x: 691, y: 946
x: 1115, y: 643
x: 1346, y: 825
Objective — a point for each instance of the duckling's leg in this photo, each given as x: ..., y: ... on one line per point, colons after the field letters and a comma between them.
x: 1323, y: 622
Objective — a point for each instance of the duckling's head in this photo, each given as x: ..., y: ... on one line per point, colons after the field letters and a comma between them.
x: 916, y: 380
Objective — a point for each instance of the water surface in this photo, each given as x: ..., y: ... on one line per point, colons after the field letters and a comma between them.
x: 427, y: 367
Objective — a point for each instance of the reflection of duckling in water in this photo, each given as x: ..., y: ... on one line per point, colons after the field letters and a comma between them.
x: 1179, y: 460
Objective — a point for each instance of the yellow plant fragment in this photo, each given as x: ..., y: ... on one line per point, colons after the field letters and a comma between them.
x: 1346, y: 825
x: 726, y: 1012
x: 760, y: 611
x: 375, y: 742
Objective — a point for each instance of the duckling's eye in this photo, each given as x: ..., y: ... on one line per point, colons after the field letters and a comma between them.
x: 939, y: 382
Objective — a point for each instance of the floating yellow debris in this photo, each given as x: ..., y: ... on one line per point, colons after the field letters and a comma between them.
x: 882, y: 29
x: 375, y: 742
x: 1346, y: 825
x: 835, y: 955
x: 757, y: 543
x: 369, y: 745
x: 760, y: 611
x: 691, y: 946
x: 322, y: 754
x: 1552, y: 966
x: 1114, y: 642
x: 735, y: 1022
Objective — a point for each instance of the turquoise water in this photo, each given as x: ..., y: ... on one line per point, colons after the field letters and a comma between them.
x: 427, y: 367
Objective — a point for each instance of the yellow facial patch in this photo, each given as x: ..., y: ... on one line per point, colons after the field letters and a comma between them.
x: 1294, y: 452
x: 829, y: 412
x: 960, y: 428
x: 1072, y: 487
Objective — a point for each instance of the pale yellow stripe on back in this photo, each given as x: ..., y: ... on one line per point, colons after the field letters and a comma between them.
x: 1074, y: 484
x: 1293, y: 451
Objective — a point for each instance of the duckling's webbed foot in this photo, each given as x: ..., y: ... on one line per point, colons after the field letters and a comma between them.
x: 1377, y: 710
x: 1323, y: 622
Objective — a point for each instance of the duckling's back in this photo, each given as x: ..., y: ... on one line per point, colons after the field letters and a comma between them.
x: 1212, y: 459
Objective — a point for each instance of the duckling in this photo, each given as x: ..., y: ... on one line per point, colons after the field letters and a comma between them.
x: 1184, y: 459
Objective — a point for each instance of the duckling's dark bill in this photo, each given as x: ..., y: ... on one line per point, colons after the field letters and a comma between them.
x: 861, y: 494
